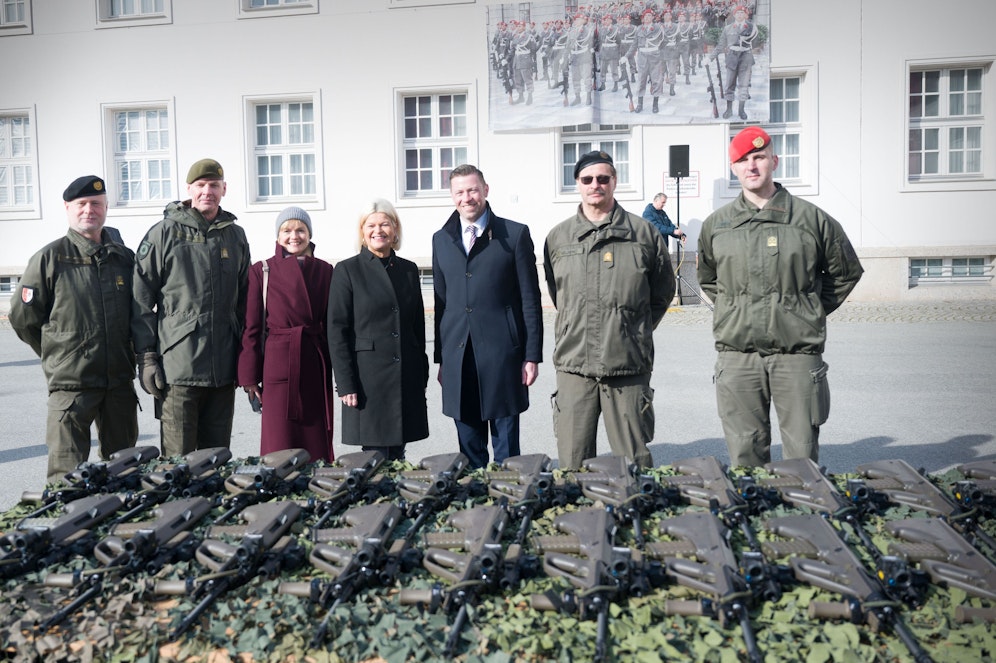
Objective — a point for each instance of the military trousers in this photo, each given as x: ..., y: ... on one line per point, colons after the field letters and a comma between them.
x: 70, y: 415
x: 746, y: 386
x: 626, y: 404
x: 196, y: 418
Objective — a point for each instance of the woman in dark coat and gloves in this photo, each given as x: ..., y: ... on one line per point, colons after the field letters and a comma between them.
x: 284, y: 360
x: 376, y: 324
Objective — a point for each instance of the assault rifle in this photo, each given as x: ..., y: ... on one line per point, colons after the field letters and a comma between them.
x: 278, y: 474
x: 614, y: 481
x: 820, y: 558
x: 119, y: 472
x: 703, y: 481
x: 425, y: 491
x: 980, y: 487
x: 714, y: 572
x: 712, y: 92
x: 352, y: 568
x: 949, y: 559
x: 478, y: 568
x: 600, y: 571
x: 132, y: 548
x: 801, y: 482
x: 624, y: 72
x: 343, y: 483
x: 265, y: 550
x: 902, y: 484
x: 528, y: 480
x: 40, y: 542
x: 198, y: 474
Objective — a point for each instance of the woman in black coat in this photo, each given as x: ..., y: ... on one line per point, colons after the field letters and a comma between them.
x: 376, y: 329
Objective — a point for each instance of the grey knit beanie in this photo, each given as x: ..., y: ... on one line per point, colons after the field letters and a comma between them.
x: 295, y: 213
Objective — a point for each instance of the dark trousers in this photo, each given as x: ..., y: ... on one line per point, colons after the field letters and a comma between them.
x: 472, y: 430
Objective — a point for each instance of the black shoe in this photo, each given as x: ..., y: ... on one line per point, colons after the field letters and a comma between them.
x: 656, y: 108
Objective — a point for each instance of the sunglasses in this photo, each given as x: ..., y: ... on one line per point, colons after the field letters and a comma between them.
x: 602, y: 179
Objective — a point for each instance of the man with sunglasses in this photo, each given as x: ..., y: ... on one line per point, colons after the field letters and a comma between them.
x: 610, y: 277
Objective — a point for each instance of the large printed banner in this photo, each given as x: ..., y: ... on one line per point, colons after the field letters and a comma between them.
x: 627, y: 63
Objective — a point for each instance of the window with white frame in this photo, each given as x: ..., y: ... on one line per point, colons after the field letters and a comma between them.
x: 435, y: 140
x: 578, y: 139
x: 946, y: 123
x: 15, y: 17
x: 267, y: 8
x: 129, y: 13
x: 956, y: 269
x: 141, y: 156
x: 8, y: 284
x: 285, y: 163
x: 792, y: 125
x: 18, y: 172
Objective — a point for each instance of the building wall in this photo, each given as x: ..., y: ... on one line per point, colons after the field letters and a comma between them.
x: 357, y: 54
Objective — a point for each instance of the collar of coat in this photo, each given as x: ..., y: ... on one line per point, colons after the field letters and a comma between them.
x: 181, y: 212
x: 111, y: 243
x: 495, y: 228
x: 778, y: 209
x: 616, y: 226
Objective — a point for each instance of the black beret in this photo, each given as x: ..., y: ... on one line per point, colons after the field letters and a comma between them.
x: 598, y: 156
x: 88, y: 185
x: 205, y: 169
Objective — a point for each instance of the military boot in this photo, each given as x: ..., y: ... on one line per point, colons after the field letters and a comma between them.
x: 687, y: 80
x: 740, y: 111
x: 671, y: 90
x: 529, y: 98
x: 657, y: 107
x: 729, y: 110
x: 615, y: 86
x: 577, y: 99
x: 587, y: 101
x: 639, y: 105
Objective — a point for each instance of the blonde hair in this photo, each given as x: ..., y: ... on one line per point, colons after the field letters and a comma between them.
x: 382, y: 206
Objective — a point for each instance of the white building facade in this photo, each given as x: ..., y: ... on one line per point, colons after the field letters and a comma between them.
x: 884, y: 112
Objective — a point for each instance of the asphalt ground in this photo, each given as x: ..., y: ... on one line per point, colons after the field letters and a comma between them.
x: 910, y: 381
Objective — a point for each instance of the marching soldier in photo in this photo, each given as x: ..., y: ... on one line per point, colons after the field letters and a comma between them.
x: 608, y: 53
x: 75, y: 312
x: 558, y: 56
x: 582, y: 45
x: 523, y: 47
x: 685, y: 46
x: 696, y: 45
x: 191, y: 280
x: 627, y: 38
x: 649, y: 59
x: 671, y: 52
x: 736, y: 43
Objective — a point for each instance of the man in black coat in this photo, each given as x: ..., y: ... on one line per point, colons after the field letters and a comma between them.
x: 488, y: 320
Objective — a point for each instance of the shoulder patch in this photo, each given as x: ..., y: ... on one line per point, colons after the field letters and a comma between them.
x: 27, y: 294
x: 144, y: 248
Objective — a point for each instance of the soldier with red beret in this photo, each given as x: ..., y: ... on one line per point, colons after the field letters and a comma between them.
x: 775, y: 266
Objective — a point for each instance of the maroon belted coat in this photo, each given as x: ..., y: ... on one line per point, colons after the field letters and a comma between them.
x: 285, y: 348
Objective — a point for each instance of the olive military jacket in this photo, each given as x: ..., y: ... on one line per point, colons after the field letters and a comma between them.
x: 74, y: 310
x: 611, y: 284
x: 774, y: 274
x: 191, y: 279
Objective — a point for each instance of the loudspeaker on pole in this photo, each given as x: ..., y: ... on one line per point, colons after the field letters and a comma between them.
x: 679, y: 161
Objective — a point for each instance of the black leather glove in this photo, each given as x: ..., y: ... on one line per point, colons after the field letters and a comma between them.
x: 150, y: 374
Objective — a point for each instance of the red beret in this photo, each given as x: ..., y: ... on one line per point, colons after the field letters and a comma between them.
x: 747, y: 141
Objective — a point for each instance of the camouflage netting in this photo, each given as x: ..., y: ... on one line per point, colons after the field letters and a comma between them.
x: 258, y: 619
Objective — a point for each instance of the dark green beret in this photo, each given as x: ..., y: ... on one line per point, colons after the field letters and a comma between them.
x: 88, y: 185
x: 205, y: 169
x: 589, y: 158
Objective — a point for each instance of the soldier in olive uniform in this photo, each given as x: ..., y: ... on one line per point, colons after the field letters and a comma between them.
x: 776, y: 266
x: 191, y: 278
x: 75, y: 313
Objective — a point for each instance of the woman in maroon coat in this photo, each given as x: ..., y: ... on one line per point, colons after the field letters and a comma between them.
x: 284, y: 360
